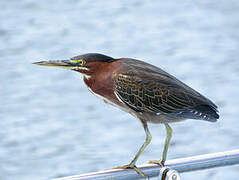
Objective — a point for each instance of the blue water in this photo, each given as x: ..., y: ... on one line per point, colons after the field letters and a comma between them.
x: 51, y: 126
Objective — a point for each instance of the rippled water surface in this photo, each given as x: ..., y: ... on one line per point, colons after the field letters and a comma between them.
x: 51, y: 126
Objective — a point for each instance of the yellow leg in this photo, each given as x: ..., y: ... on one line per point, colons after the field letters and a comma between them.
x: 165, y: 149
x: 131, y: 165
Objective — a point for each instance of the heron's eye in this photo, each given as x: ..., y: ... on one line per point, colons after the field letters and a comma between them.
x: 79, y: 62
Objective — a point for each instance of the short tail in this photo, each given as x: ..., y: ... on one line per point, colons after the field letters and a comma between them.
x: 199, y: 112
x: 208, y: 113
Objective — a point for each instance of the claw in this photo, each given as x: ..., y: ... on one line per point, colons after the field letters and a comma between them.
x: 158, y: 162
x: 128, y: 166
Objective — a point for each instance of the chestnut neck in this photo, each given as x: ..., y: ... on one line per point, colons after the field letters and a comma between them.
x: 100, y: 80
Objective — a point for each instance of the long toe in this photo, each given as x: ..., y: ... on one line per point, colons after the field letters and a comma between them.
x: 158, y: 162
x: 128, y: 166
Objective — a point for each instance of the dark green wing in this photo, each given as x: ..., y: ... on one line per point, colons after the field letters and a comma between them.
x: 150, y: 96
x: 159, y: 92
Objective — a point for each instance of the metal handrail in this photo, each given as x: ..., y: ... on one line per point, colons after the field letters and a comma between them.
x: 181, y: 165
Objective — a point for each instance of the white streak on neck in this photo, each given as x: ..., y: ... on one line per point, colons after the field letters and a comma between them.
x: 87, y: 76
x: 101, y: 97
x: 82, y: 68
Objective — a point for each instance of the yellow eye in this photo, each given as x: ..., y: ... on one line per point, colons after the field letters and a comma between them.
x: 79, y: 62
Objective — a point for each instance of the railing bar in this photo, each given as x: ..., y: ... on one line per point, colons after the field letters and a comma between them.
x: 181, y: 165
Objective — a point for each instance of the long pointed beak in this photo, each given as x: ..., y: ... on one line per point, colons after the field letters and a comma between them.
x: 57, y: 63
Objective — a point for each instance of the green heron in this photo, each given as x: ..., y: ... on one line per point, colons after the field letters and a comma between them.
x: 145, y: 91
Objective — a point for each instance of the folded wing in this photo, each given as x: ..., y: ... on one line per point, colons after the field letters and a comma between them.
x: 156, y: 91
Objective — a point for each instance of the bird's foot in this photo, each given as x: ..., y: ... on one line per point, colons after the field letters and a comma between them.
x: 158, y: 162
x: 129, y: 166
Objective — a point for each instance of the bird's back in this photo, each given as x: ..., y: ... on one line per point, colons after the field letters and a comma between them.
x: 148, y: 89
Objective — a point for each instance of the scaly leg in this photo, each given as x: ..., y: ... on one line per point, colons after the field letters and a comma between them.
x: 166, y: 145
x: 131, y: 165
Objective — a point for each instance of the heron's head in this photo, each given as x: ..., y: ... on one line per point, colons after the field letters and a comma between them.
x: 86, y: 64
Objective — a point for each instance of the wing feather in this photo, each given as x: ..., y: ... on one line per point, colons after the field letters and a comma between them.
x: 156, y: 91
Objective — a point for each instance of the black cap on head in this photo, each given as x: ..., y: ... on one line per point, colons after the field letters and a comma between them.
x: 94, y: 57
